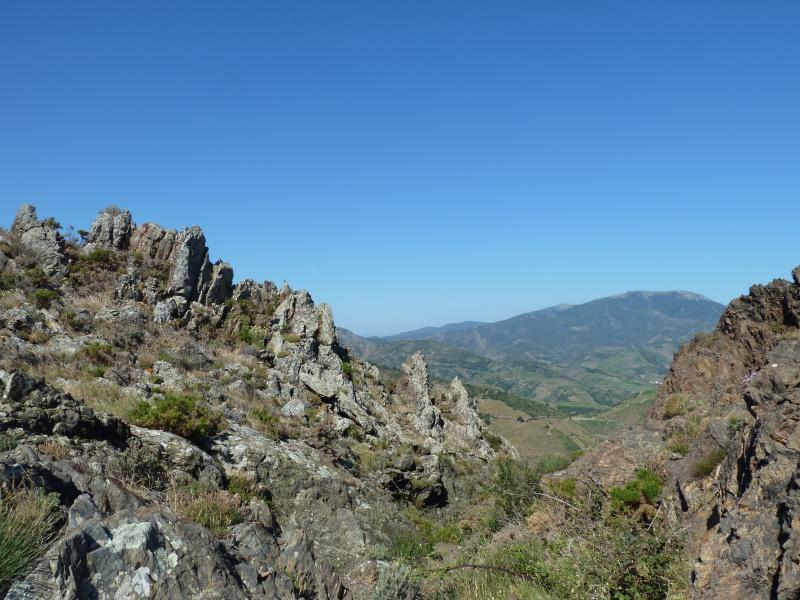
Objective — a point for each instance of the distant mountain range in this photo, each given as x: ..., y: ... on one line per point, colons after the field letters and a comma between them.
x: 578, y: 358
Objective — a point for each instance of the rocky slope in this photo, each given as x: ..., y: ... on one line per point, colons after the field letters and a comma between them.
x: 204, y: 438
x: 724, y: 434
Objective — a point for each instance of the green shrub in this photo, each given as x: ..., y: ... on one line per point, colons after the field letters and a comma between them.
x: 411, y: 546
x: 101, y: 257
x: 735, y: 423
x: 98, y: 353
x: 705, y: 465
x: 182, y: 415
x: 246, y: 335
x: 347, y: 369
x: 8, y: 281
x: 514, y: 486
x: 37, y: 277
x: 564, y: 487
x: 494, y: 440
x: 292, y: 338
x: 282, y: 354
x: 28, y: 520
x: 43, y: 297
x: 645, y: 488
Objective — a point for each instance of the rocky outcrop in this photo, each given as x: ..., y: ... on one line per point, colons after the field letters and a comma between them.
x: 318, y: 457
x: 153, y: 242
x: 751, y: 549
x: 427, y: 416
x: 111, y: 229
x: 31, y: 405
x: 712, y: 367
x: 41, y: 240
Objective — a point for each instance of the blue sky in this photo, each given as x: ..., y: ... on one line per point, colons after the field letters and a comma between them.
x: 415, y: 163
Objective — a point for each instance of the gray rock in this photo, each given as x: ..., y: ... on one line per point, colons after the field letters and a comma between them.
x: 4, y: 260
x: 41, y: 240
x: 151, y: 241
x: 127, y: 287
x: 169, y: 309
x: 221, y: 285
x: 18, y: 319
x: 110, y: 230
x: 294, y: 408
x: 189, y: 258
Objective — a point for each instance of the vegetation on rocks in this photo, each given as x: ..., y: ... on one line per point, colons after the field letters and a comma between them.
x: 28, y: 522
x: 183, y: 415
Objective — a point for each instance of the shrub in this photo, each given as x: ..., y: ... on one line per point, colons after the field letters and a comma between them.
x: 141, y: 466
x: 411, y: 546
x: 494, y: 440
x: 645, y: 488
x: 28, y: 520
x: 347, y: 369
x: 705, y: 465
x: 735, y: 423
x: 43, y: 298
x: 98, y: 353
x: 292, y: 338
x: 271, y: 425
x: 396, y: 583
x: 514, y: 487
x: 564, y: 487
x: 102, y: 257
x: 182, y: 415
x: 678, y: 444
x: 674, y: 405
x: 216, y: 510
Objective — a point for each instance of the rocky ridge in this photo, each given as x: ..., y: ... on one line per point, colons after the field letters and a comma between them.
x: 316, y: 458
x: 724, y: 435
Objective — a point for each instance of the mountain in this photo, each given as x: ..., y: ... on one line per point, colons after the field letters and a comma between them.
x: 579, y: 358
x: 567, y: 334
x: 429, y: 332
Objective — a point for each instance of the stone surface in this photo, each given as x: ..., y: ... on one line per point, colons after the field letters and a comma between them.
x: 40, y: 240
x: 111, y: 229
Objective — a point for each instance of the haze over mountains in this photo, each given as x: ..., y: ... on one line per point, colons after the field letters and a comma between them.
x: 579, y: 358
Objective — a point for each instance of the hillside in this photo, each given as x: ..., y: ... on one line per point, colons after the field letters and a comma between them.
x: 167, y: 433
x: 579, y: 359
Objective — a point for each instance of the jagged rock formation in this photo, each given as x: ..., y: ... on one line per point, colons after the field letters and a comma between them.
x: 41, y: 239
x: 315, y: 458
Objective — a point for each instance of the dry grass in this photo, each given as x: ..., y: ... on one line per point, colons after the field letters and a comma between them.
x: 216, y: 510
x: 11, y: 299
x: 54, y: 449
x: 102, y: 396
x: 93, y: 302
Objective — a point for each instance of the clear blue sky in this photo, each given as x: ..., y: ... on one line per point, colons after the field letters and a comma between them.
x: 420, y: 162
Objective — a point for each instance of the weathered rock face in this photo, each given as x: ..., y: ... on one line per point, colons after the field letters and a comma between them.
x: 190, y: 261
x: 751, y: 549
x: 41, y: 240
x: 153, y: 242
x: 111, y: 229
x: 714, y: 366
